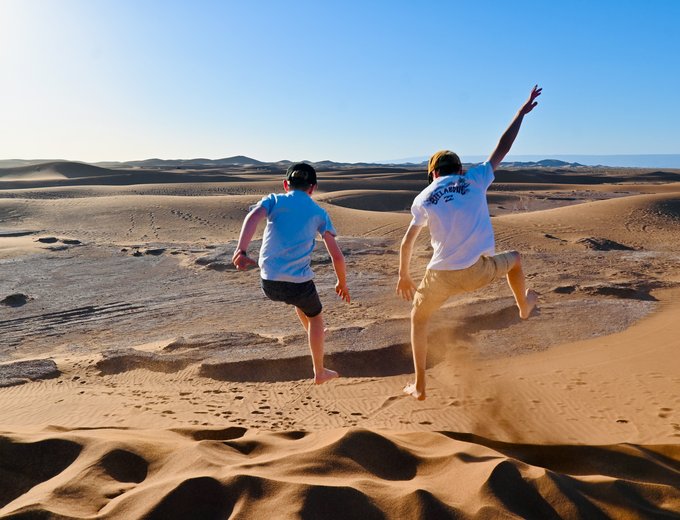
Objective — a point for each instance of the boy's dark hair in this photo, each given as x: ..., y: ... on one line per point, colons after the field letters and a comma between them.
x: 301, y: 176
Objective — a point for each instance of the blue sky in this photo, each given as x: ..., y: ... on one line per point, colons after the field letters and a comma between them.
x: 98, y: 80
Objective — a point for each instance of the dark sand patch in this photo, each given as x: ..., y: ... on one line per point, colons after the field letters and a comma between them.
x: 15, y: 300
x: 604, y: 244
x: 21, y: 372
x: 13, y: 233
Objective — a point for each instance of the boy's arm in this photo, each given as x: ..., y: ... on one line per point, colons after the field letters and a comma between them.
x: 405, y: 286
x: 338, y: 265
x: 508, y: 137
x: 240, y: 258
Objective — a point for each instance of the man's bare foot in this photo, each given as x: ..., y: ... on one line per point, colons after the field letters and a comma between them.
x: 530, y: 301
x: 411, y: 390
x: 324, y: 376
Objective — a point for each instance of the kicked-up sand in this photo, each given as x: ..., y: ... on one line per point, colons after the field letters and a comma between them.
x: 142, y: 376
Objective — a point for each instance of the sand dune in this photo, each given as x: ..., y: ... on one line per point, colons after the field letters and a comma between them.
x: 642, y: 222
x: 55, y: 170
x: 141, y: 376
x: 66, y: 173
x: 357, y: 473
x: 372, y: 200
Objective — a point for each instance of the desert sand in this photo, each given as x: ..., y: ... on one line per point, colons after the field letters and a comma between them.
x: 142, y: 376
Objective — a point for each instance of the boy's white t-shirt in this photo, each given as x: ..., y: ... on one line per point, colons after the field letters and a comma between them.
x: 294, y: 220
x: 455, y: 209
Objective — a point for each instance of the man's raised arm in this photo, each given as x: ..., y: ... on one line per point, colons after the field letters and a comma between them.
x: 508, y: 137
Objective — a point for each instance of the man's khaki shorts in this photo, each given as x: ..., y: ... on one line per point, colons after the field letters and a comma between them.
x: 439, y: 286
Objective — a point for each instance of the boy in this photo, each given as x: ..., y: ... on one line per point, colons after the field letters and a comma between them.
x: 293, y: 221
x: 455, y: 209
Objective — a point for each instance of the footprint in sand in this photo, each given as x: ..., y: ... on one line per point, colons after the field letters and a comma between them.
x: 665, y: 412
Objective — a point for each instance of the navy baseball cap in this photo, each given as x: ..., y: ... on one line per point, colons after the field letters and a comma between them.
x: 301, y: 174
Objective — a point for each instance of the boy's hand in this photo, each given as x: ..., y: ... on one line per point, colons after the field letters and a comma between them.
x: 342, y: 291
x: 406, y: 288
x: 242, y: 261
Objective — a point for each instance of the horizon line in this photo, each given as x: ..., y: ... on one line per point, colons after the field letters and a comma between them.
x: 647, y: 160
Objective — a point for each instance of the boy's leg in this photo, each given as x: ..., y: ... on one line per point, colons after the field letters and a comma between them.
x: 303, y: 318
x: 305, y: 321
x: 315, y: 336
x: 526, y: 298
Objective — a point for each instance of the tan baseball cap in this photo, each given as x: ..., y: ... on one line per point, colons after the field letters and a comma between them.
x: 444, y: 158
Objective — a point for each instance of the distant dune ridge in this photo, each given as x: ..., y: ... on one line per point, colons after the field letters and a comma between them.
x: 62, y: 173
x: 141, y: 376
x: 555, y: 160
x: 620, y: 160
x: 54, y: 169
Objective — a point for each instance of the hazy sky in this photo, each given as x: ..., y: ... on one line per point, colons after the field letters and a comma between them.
x: 348, y: 81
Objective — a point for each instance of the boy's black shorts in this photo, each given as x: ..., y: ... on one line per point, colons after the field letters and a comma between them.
x: 302, y: 295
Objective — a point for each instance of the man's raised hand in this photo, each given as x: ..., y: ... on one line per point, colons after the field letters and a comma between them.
x: 531, y: 102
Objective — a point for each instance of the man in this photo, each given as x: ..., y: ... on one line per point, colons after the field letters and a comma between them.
x: 454, y: 207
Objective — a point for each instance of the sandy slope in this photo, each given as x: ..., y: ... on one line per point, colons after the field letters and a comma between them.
x: 170, y: 388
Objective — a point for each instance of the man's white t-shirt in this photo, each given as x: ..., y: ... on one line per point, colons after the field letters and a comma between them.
x: 455, y: 209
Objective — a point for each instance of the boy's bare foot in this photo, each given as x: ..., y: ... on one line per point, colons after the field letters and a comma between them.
x: 411, y: 390
x: 530, y: 300
x: 324, y: 376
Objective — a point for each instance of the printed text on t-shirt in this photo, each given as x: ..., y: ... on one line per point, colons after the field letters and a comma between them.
x: 446, y: 193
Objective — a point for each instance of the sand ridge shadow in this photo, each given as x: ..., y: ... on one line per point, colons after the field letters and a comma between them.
x: 379, y: 362
x: 25, y: 465
x: 658, y: 464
